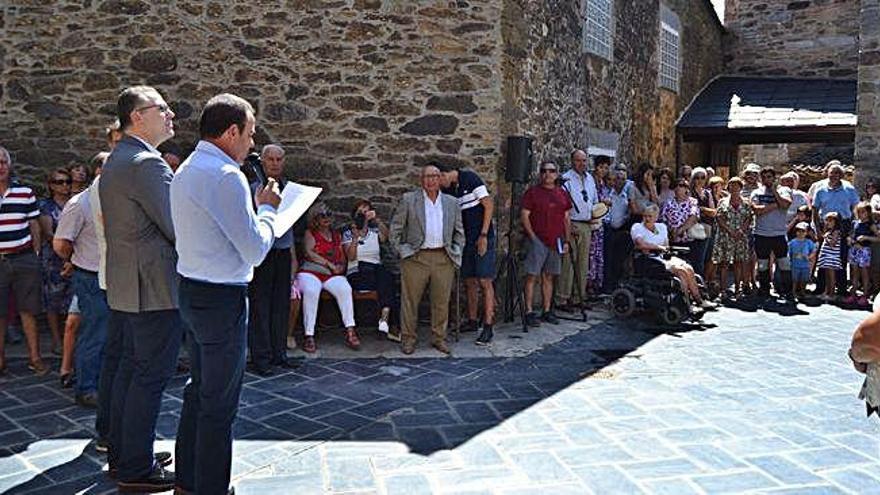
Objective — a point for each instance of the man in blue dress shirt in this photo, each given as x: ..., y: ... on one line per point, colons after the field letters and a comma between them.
x: 219, y: 241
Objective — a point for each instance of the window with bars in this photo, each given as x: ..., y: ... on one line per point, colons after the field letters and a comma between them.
x: 599, y: 27
x: 670, y: 59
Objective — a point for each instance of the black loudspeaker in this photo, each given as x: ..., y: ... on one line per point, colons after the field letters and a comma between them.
x: 519, y: 159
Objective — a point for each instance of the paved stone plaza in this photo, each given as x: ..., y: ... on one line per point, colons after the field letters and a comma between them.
x: 753, y: 402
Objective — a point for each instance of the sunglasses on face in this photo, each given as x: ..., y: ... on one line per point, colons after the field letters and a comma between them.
x: 62, y: 182
x: 548, y: 170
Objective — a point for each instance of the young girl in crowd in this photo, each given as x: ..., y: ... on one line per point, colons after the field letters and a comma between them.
x: 864, y: 232
x: 829, y: 254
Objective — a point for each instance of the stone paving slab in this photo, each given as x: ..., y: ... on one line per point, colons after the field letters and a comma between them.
x: 751, y: 402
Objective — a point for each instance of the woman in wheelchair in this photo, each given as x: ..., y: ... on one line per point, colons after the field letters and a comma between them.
x: 651, y: 239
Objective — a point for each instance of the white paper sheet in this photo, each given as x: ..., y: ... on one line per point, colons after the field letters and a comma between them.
x: 295, y: 201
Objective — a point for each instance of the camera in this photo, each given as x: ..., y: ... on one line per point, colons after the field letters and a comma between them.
x: 360, y: 220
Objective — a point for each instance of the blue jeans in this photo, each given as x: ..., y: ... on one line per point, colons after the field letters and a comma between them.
x: 215, y: 319
x: 151, y: 341
x: 92, y: 330
x: 109, y: 366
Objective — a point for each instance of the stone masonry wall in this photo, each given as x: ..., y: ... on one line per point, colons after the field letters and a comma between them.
x: 807, y: 38
x: 867, y: 153
x: 357, y: 91
x: 556, y: 92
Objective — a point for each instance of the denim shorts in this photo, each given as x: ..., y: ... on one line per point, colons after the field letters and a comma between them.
x: 475, y: 266
x: 800, y: 274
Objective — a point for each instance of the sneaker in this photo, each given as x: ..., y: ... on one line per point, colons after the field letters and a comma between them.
x: 383, y: 326
x: 532, y: 320
x: 159, y: 480
x: 549, y: 317
x: 486, y: 335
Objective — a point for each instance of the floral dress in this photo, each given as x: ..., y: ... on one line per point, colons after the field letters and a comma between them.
x: 57, y: 290
x: 596, y: 272
x: 675, y: 213
x: 729, y: 249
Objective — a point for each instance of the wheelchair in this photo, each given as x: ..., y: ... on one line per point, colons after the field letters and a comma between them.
x: 653, y: 288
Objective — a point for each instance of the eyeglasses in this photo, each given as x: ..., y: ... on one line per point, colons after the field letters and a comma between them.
x: 60, y: 182
x: 431, y: 176
x: 548, y: 170
x: 163, y: 108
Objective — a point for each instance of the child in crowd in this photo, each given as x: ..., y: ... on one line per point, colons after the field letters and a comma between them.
x: 804, y: 215
x: 864, y: 232
x: 802, y: 251
x: 829, y: 254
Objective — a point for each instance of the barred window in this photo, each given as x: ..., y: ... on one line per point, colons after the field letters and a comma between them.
x: 670, y: 61
x: 599, y: 27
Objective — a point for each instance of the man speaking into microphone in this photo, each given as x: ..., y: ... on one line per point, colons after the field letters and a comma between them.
x: 219, y: 241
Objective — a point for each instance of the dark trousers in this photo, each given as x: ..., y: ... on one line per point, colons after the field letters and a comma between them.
x: 618, y: 248
x: 150, y: 343
x: 370, y: 276
x: 215, y: 319
x: 92, y: 331
x: 270, y: 309
x: 109, y: 367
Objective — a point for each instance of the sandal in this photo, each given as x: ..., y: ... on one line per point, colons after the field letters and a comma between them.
x: 39, y: 368
x: 309, y: 345
x: 352, y: 340
x: 67, y: 379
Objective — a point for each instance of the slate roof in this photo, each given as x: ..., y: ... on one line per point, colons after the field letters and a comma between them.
x: 761, y: 103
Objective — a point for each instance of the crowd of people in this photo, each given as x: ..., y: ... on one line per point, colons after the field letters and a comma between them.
x: 143, y: 251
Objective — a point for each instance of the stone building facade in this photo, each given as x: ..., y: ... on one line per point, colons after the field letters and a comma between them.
x: 357, y: 91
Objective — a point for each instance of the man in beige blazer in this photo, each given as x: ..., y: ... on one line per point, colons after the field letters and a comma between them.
x: 427, y: 232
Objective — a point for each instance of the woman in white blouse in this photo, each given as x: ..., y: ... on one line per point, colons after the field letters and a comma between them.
x: 362, y: 245
x: 652, y: 239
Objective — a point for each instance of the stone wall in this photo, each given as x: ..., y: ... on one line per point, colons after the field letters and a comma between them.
x: 357, y: 91
x: 867, y: 153
x: 808, y: 38
x: 555, y: 92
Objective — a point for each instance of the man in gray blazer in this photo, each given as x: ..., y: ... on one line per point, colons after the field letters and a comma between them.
x: 141, y: 288
x: 427, y: 231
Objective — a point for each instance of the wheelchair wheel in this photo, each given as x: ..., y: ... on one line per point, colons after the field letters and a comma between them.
x: 671, y: 315
x: 623, y: 302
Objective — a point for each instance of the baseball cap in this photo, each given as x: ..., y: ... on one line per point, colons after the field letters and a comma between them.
x: 753, y: 167
x: 802, y: 226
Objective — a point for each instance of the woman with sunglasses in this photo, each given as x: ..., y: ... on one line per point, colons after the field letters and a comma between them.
x: 57, y: 288
x: 323, y: 268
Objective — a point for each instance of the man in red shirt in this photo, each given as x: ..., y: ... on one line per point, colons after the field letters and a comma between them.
x: 546, y: 221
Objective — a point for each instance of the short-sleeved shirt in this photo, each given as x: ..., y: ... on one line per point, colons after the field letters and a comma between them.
x: 547, y: 209
x: 369, y: 249
x: 618, y: 214
x: 78, y: 226
x: 799, y: 251
x: 18, y: 206
x: 469, y: 190
x: 659, y: 236
x: 98, y: 218
x: 675, y: 213
x: 841, y: 199
x: 774, y: 223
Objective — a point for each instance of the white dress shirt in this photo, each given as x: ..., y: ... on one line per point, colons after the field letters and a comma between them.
x: 576, y: 184
x: 98, y: 218
x: 219, y: 237
x: 433, y: 223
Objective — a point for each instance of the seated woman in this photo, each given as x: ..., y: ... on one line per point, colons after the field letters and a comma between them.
x: 361, y: 242
x: 323, y: 267
x: 652, y: 239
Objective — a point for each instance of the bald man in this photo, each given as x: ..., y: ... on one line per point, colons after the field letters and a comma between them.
x: 269, y: 291
x: 428, y: 233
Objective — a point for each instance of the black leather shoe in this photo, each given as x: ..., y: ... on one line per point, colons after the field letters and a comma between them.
x: 287, y: 364
x: 162, y: 459
x: 262, y: 372
x: 485, y: 337
x: 87, y: 400
x: 67, y: 380
x: 180, y: 491
x: 159, y: 480
x: 102, y: 446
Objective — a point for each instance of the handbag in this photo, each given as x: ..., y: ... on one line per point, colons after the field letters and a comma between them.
x: 311, y: 266
x: 699, y: 231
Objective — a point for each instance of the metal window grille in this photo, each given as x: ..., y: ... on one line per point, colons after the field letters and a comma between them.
x: 670, y: 60
x: 599, y: 27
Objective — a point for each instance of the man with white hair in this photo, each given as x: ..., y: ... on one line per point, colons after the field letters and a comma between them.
x: 799, y: 198
x: 269, y: 291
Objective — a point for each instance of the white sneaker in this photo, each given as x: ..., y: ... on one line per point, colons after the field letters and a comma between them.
x: 383, y: 326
